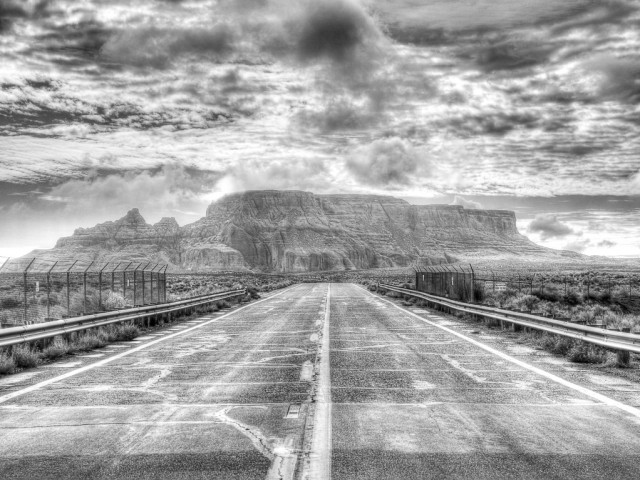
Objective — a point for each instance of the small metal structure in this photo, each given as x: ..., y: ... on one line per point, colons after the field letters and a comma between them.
x: 448, y: 281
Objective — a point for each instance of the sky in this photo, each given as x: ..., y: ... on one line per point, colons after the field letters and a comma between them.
x: 167, y: 105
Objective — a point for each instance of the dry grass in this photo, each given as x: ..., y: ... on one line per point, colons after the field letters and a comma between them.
x: 7, y: 364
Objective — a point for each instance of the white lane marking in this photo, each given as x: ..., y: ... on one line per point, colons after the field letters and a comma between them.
x: 99, y: 363
x: 585, y: 391
x: 320, y: 464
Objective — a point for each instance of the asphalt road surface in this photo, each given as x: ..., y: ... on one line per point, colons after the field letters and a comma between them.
x: 295, y: 386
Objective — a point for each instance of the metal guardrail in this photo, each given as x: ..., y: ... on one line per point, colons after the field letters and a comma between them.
x: 41, y: 331
x: 611, y: 339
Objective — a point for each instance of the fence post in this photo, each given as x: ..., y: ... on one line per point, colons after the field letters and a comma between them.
x: 164, y: 284
x: 518, y: 283
x: 68, y: 287
x: 100, y: 286
x: 124, y: 282
x: 143, y: 270
x: 473, y: 286
x: 135, y: 286
x: 84, y: 285
x: 24, y: 321
x: 565, y: 286
x: 49, y: 289
x: 588, y: 285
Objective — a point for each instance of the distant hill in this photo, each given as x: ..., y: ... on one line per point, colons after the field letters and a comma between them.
x: 294, y: 231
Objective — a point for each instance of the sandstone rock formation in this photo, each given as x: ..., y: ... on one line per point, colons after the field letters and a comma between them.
x: 293, y: 231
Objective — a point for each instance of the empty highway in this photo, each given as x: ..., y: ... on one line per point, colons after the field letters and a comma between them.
x: 314, y: 382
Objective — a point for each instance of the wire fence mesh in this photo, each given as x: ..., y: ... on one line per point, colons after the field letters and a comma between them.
x: 34, y: 290
x: 468, y: 283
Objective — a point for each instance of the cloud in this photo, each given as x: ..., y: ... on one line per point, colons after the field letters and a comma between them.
x: 385, y: 162
x: 635, y: 183
x: 511, y: 53
x: 578, y: 246
x: 10, y: 10
x: 606, y: 244
x: 170, y: 188
x: 466, y: 203
x: 337, y: 30
x: 549, y: 226
x: 154, y: 47
x: 286, y: 174
x: 619, y: 77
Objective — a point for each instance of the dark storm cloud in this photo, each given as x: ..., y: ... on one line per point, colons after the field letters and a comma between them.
x: 334, y: 30
x: 548, y: 226
x: 10, y: 11
x: 511, y: 54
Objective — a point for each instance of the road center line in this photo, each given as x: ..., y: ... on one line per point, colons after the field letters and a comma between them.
x: 585, y: 391
x: 320, y: 461
x: 99, y: 363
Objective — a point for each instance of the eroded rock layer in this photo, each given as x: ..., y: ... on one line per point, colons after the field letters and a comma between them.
x: 292, y: 231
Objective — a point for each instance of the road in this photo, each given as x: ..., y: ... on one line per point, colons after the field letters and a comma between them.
x: 294, y: 386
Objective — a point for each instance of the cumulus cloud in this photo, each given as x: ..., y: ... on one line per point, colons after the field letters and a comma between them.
x: 154, y: 47
x: 619, y: 77
x: 466, y: 203
x: 606, y: 244
x: 578, y: 246
x: 548, y: 226
x: 385, y: 162
x: 170, y: 188
x: 286, y: 174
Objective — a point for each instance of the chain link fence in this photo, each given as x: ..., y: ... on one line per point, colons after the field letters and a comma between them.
x: 35, y: 290
x: 470, y: 284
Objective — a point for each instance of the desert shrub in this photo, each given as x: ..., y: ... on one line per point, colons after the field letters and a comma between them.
x: 56, y: 349
x: 253, y: 292
x: 128, y: 332
x: 587, y: 315
x: 548, y: 294
x: 582, y: 352
x: 89, y: 341
x: 10, y: 303
x: 112, y: 301
x: 25, y: 357
x: 562, y: 345
x: 573, y: 298
x: 7, y: 364
x: 221, y: 304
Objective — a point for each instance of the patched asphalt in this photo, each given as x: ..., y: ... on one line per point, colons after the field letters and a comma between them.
x: 412, y: 401
x: 209, y: 403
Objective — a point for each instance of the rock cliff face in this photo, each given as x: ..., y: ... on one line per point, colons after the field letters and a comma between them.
x: 291, y: 231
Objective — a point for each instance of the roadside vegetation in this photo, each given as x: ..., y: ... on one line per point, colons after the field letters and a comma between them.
x: 26, y: 356
x: 573, y: 350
